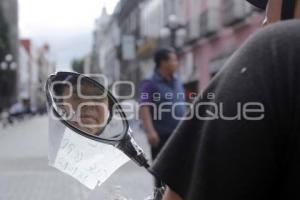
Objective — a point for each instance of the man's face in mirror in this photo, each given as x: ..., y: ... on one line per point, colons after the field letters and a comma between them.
x: 91, y: 114
x: 273, y: 11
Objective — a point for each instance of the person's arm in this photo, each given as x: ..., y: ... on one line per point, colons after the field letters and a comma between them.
x: 146, y: 118
x: 171, y: 195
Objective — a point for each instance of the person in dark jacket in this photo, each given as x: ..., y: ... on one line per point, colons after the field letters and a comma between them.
x: 157, y: 96
x: 244, y: 143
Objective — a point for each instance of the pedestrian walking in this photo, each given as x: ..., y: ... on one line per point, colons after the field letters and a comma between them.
x: 157, y: 96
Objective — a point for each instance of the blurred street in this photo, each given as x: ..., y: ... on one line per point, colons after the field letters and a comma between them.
x: 116, y: 43
x: 25, y: 174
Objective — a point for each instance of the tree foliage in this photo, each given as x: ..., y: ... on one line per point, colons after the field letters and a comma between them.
x: 7, y: 77
x: 4, y: 39
x: 78, y: 65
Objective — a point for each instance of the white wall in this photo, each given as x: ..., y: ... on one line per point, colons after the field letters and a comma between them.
x: 152, y: 18
x: 24, y: 62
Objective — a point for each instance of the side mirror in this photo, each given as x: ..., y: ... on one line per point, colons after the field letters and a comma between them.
x: 89, y: 109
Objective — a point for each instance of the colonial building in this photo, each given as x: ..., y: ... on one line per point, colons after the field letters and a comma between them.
x: 129, y: 22
x: 99, y: 37
x: 215, y: 30
x: 35, y: 65
x: 209, y: 31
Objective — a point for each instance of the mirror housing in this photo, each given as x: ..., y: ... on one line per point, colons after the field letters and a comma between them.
x: 67, y: 81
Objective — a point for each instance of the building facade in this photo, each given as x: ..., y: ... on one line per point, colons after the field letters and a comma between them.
x: 215, y: 30
x: 35, y: 65
x: 150, y: 34
x: 212, y: 31
x: 129, y: 14
x: 99, y: 37
x: 104, y: 57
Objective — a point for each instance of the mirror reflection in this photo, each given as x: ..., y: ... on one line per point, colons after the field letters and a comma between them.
x: 87, y: 107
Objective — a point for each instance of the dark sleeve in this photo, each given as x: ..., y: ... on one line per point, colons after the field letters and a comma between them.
x: 239, y: 158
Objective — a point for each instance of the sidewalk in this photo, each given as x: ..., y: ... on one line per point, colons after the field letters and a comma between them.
x: 25, y: 174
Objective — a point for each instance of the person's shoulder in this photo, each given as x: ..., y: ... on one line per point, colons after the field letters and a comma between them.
x: 177, y: 78
x: 293, y: 24
x: 283, y: 31
x: 149, y: 80
x: 147, y: 85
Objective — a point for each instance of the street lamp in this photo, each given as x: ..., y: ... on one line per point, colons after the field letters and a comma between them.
x: 165, y: 32
x: 8, y: 58
x: 4, y: 66
x: 173, y: 29
x: 8, y: 63
x: 13, y: 66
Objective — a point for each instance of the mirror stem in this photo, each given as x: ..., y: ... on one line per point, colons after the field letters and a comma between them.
x: 133, y: 150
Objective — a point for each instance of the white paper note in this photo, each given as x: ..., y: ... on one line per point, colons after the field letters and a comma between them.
x: 88, y: 161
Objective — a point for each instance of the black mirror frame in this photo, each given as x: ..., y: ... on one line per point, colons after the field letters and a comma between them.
x: 80, y: 132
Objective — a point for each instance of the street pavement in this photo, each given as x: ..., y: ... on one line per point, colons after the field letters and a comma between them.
x: 25, y: 174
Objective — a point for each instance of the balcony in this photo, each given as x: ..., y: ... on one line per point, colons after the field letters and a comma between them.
x: 235, y: 11
x: 209, y: 22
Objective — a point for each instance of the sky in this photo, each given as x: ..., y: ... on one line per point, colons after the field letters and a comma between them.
x: 66, y: 25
